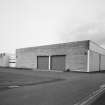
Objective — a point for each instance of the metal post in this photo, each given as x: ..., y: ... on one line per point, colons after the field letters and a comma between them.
x: 49, y: 62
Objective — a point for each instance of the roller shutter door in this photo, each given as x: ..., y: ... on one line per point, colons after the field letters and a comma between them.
x: 58, y: 62
x: 42, y: 62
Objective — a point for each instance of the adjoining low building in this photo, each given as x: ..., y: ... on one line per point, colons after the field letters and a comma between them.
x: 84, y: 56
x: 4, y: 60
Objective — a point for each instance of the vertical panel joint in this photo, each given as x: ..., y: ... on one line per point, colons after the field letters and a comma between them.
x: 88, y: 56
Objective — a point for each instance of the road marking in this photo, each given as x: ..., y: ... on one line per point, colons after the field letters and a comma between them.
x: 49, y: 70
x: 92, y: 96
x: 102, y: 86
x: 15, y: 86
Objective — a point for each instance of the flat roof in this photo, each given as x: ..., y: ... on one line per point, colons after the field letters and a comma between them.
x: 55, y: 45
x: 75, y: 43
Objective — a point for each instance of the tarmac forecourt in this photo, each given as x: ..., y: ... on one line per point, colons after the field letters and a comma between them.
x: 10, y: 80
x: 50, y: 88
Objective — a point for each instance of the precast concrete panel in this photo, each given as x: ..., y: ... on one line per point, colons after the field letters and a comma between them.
x: 94, y: 61
x: 26, y: 60
x: 98, y: 56
x: 102, y: 62
x: 77, y: 62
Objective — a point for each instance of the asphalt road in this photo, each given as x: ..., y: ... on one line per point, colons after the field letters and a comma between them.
x: 73, y: 88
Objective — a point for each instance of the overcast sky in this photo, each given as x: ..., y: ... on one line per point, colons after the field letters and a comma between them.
x: 25, y: 23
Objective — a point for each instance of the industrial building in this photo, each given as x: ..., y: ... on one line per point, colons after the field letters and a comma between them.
x: 84, y: 56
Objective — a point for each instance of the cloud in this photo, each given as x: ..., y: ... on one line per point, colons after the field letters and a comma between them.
x: 91, y: 30
x: 95, y: 32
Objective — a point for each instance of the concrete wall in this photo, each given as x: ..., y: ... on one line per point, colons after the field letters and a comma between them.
x: 26, y: 60
x: 76, y: 55
x: 77, y: 59
x: 96, y: 61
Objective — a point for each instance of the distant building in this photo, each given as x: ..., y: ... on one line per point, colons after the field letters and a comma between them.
x: 12, y: 60
x: 7, y: 60
x: 85, y: 56
x: 4, y: 60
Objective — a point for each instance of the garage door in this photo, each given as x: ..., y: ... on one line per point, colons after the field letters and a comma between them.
x: 42, y: 62
x: 58, y: 62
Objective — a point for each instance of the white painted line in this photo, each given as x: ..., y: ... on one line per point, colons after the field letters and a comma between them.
x: 50, y: 70
x: 56, y: 71
x: 102, y: 86
x: 15, y: 86
x: 92, y: 96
